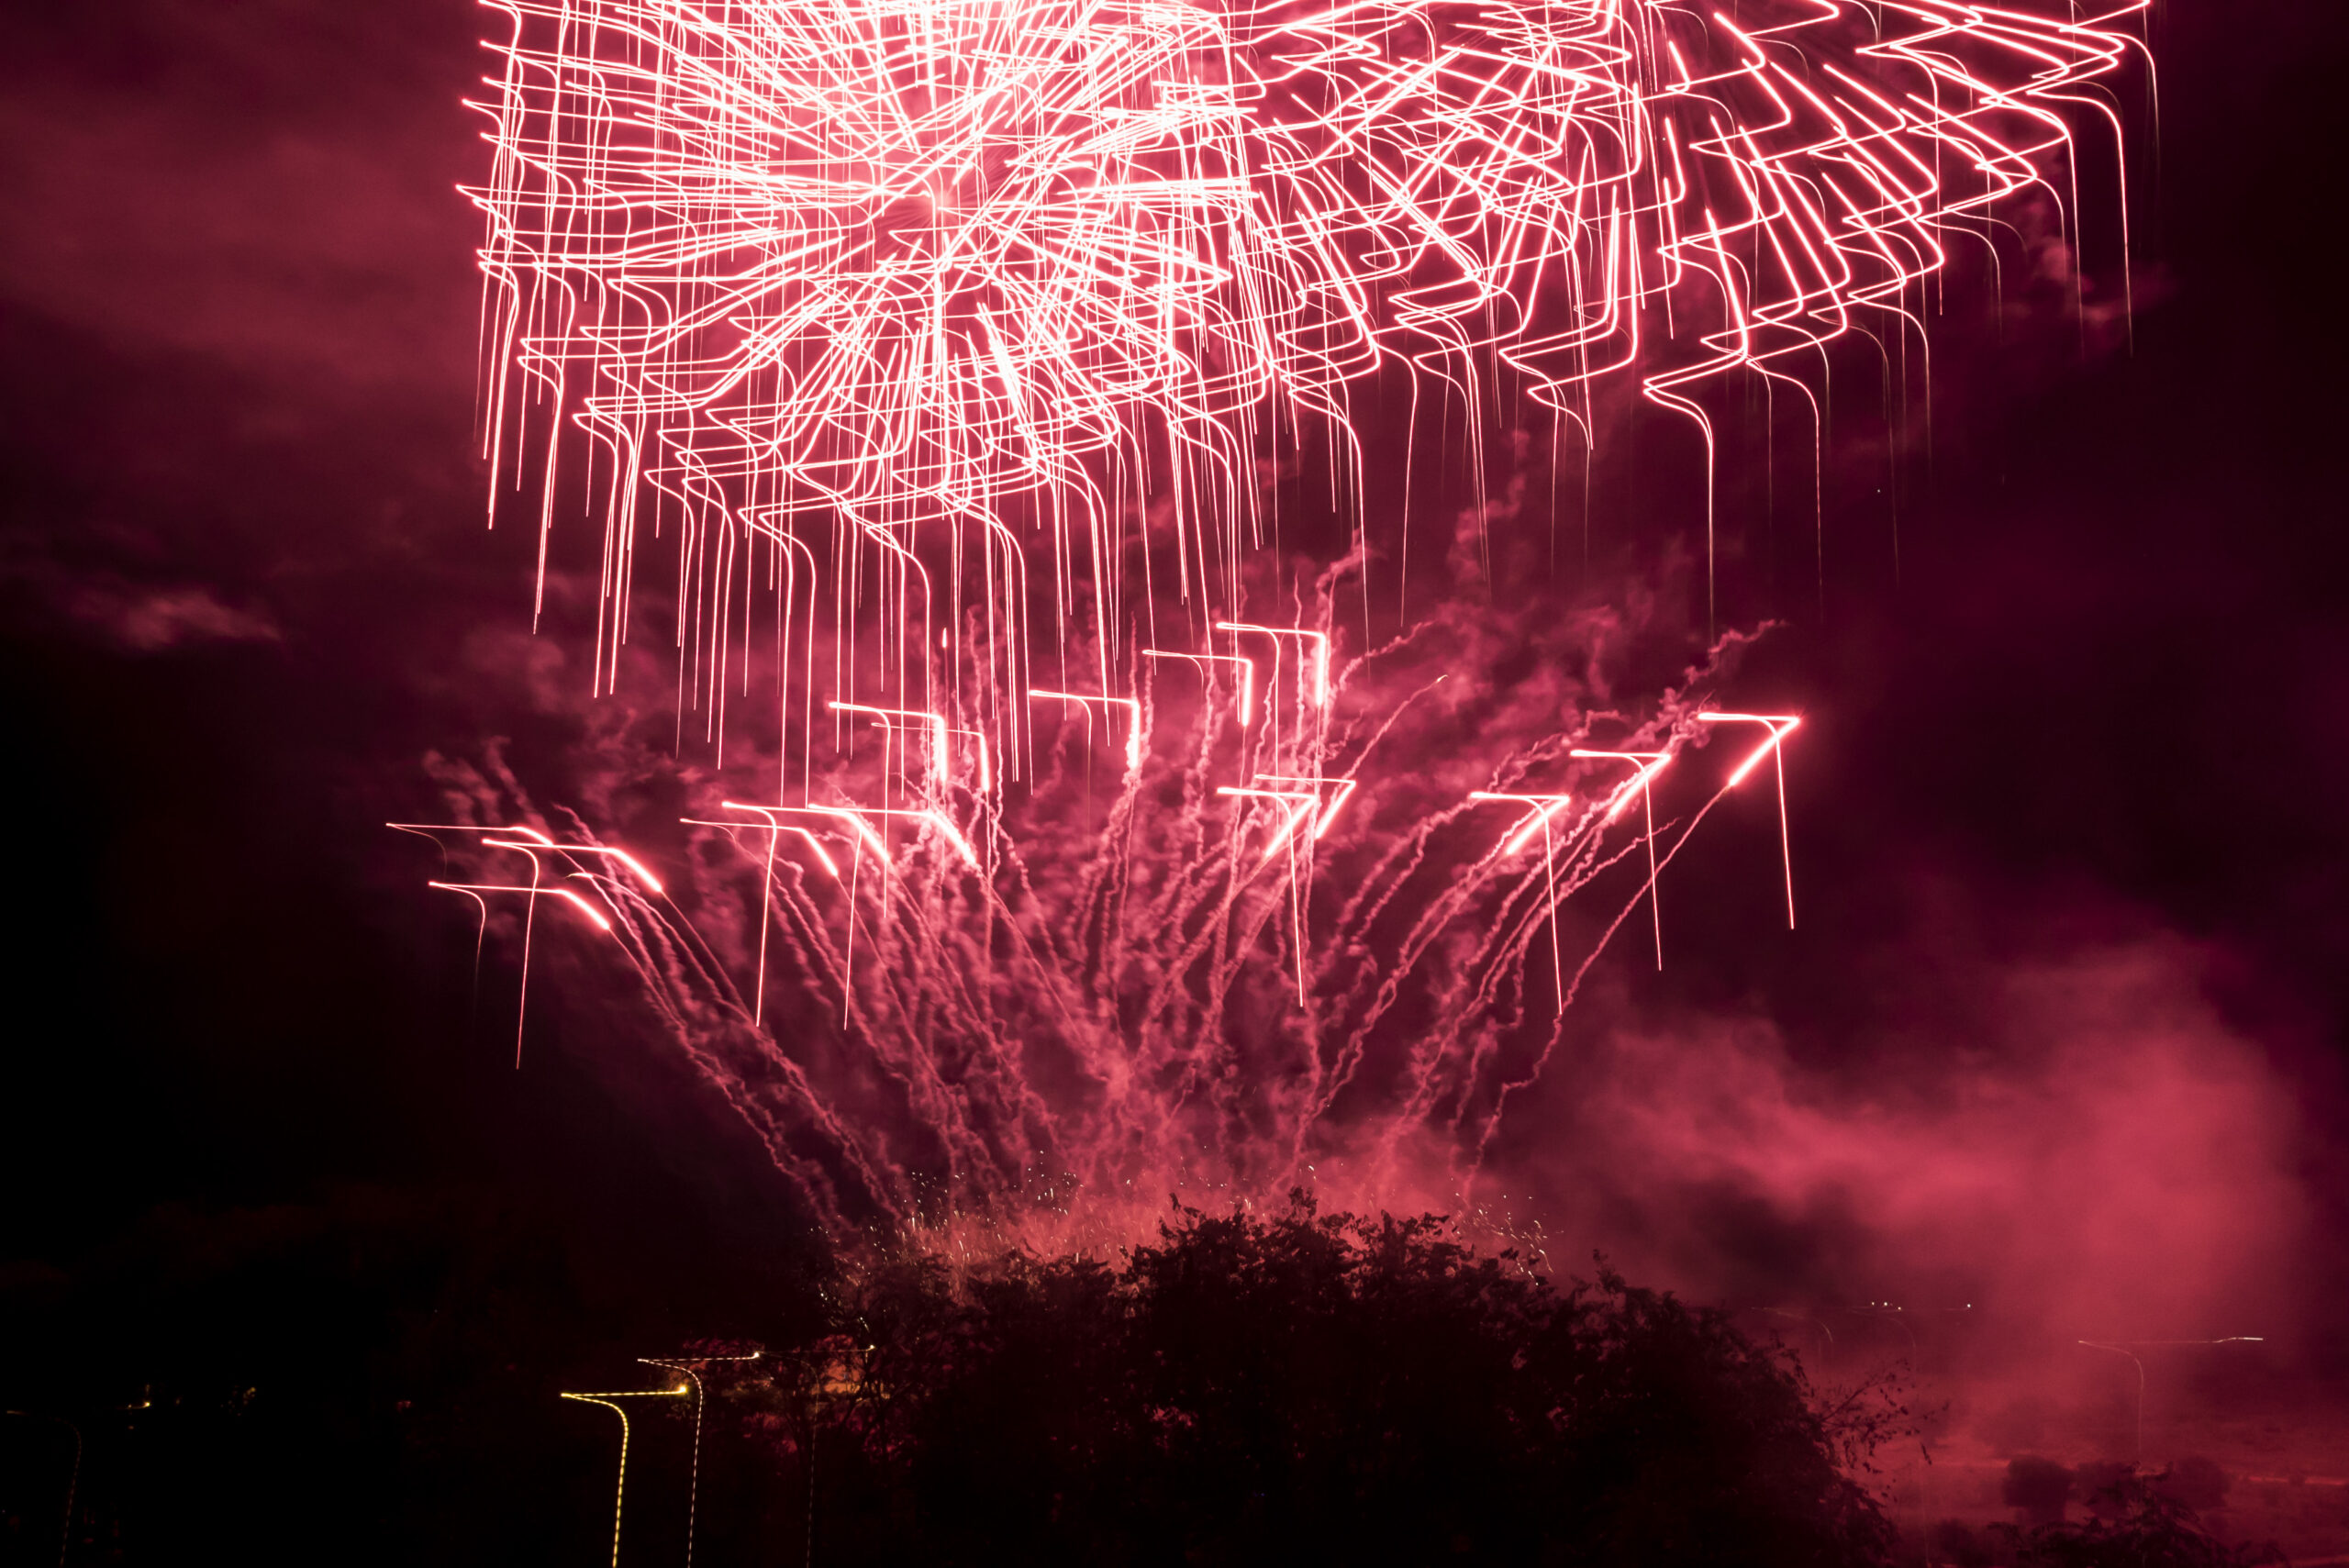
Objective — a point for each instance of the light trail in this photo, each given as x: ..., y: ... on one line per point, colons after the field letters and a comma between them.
x: 72, y: 1476
x: 691, y: 1370
x: 1318, y: 641
x: 1247, y: 675
x: 644, y: 874
x: 945, y: 976
x: 1343, y: 790
x: 1131, y: 705
x: 941, y: 736
x: 594, y: 914
x: 775, y: 830
x: 1779, y: 726
x: 533, y: 893
x: 427, y: 829
x: 1651, y: 763
x: 945, y: 312
x: 1302, y: 804
x: 1546, y: 809
x: 619, y: 1487
x: 925, y: 341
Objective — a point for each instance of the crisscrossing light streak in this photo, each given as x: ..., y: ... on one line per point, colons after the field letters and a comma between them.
x: 948, y: 302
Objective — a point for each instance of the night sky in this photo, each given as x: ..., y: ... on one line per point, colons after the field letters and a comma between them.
x: 2063, y: 1028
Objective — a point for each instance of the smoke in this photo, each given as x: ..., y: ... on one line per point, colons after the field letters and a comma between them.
x: 1111, y: 990
x: 1117, y: 978
x: 2079, y: 1147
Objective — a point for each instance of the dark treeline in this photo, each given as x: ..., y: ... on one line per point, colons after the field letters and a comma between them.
x: 1286, y: 1388
x: 1300, y: 1388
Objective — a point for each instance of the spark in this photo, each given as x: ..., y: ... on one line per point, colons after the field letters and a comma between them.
x: 940, y: 732
x: 1343, y: 791
x: 775, y: 830
x: 428, y: 828
x: 642, y: 872
x: 1302, y: 804
x: 475, y: 889
x: 815, y: 845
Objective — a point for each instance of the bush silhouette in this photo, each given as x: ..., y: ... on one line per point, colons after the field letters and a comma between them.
x: 2138, y: 1524
x: 2037, y: 1489
x: 2196, y: 1482
x: 1309, y: 1388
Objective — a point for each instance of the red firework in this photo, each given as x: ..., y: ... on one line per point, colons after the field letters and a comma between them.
x: 961, y: 331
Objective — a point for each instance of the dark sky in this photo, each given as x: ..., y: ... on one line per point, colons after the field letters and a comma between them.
x: 2070, y: 799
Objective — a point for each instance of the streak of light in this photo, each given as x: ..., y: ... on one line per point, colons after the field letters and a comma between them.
x: 775, y: 830
x: 1247, y: 675
x: 902, y: 273
x: 72, y: 1476
x: 1545, y: 809
x: 693, y: 1484
x: 1302, y: 804
x: 643, y: 874
x: 1343, y: 790
x: 1133, y: 717
x: 619, y: 1487
x: 863, y: 829
x: 940, y: 732
x: 1319, y: 640
x: 815, y: 845
x: 1651, y: 763
x: 602, y: 922
x: 1780, y: 725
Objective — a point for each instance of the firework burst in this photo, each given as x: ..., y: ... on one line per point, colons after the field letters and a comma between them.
x: 937, y: 338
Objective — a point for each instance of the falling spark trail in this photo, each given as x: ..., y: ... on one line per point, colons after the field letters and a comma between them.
x: 1651, y: 763
x: 981, y: 334
x: 1779, y: 726
x: 941, y: 290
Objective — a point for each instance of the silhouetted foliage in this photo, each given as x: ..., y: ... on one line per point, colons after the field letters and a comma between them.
x: 2101, y: 1485
x: 2136, y: 1522
x: 2197, y: 1482
x: 2037, y: 1489
x: 1954, y: 1543
x: 1308, y: 1388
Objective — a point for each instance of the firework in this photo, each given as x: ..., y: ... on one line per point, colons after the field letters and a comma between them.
x: 941, y: 313
x: 938, y: 338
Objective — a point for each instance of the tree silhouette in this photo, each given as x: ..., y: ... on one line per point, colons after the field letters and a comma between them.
x: 1306, y: 1387
x: 2136, y: 1522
